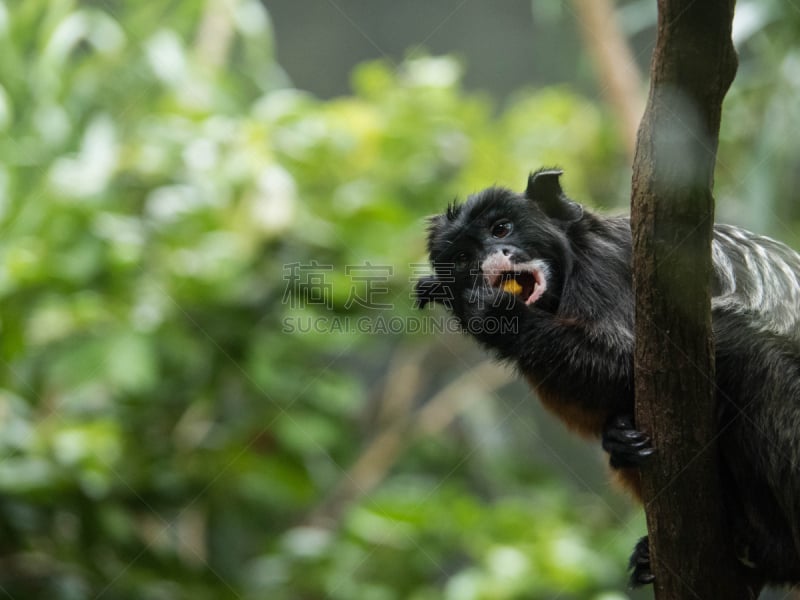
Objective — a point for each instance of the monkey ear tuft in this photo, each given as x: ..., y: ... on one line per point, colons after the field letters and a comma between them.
x: 453, y: 210
x: 544, y: 188
x: 544, y: 183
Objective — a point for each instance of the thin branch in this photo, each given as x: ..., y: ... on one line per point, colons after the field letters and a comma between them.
x: 380, y: 455
x: 215, y: 34
x: 617, y: 69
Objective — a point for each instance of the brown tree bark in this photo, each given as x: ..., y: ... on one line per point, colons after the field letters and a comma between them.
x: 672, y: 216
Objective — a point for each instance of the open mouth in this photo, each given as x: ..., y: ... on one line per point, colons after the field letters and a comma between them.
x: 526, y: 281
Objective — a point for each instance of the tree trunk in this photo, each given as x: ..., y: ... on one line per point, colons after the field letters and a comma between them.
x: 672, y: 216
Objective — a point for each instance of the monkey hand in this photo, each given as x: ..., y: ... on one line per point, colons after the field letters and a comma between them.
x: 626, y: 445
x: 639, y: 564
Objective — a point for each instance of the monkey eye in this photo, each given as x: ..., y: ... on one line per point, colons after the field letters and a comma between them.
x: 462, y: 259
x: 502, y: 228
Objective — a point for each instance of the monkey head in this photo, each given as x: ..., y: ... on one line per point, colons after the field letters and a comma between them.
x: 514, y: 242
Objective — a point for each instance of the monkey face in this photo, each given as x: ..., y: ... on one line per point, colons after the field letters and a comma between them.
x: 500, y: 239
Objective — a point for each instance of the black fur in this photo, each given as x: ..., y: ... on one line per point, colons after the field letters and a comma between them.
x: 574, y: 342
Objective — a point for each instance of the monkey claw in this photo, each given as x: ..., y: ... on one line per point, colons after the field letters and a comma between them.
x: 626, y: 445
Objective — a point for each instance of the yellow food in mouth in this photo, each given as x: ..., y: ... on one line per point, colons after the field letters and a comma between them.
x: 511, y: 286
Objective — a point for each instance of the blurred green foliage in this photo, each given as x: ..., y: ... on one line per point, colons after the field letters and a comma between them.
x: 161, y: 435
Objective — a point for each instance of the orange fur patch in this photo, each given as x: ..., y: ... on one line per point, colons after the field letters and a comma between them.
x: 629, y: 481
x: 589, y: 423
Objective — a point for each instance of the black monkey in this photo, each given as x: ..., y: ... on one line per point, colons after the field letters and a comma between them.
x: 546, y: 284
